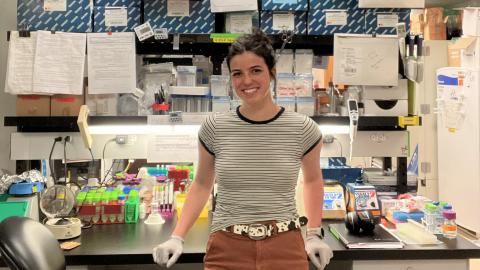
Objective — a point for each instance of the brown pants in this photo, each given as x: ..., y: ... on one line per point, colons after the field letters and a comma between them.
x: 283, y: 251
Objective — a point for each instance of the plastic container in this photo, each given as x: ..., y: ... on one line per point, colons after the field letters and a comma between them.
x: 186, y: 75
x: 219, y: 85
x: 306, y: 105
x: 431, y: 211
x: 449, y: 227
x: 220, y: 104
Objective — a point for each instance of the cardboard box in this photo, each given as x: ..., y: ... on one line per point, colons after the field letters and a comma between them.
x: 66, y: 105
x: 119, y: 3
x: 434, y: 27
x: 299, y: 21
x: 465, y: 52
x: 454, y: 56
x: 200, y: 21
x: 333, y: 4
x: 133, y: 20
x: 300, y: 5
x: 391, y: 3
x: 384, y: 23
x: 471, y: 21
x: 330, y: 21
x: 76, y: 18
x: 33, y: 105
x: 385, y: 107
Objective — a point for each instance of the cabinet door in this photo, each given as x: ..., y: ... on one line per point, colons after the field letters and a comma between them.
x: 411, y: 265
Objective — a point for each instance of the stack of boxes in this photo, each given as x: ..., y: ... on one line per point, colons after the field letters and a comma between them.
x: 286, y: 15
x: 335, y: 16
x: 465, y: 52
x: 383, y: 21
x: 200, y: 19
x: 116, y: 15
x: 75, y: 16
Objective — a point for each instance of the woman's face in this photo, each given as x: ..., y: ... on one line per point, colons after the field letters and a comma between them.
x: 250, y: 78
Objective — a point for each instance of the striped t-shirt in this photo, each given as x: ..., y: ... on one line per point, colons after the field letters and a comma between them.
x: 257, y: 164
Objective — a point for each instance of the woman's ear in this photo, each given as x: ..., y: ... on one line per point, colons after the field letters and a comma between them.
x: 273, y: 73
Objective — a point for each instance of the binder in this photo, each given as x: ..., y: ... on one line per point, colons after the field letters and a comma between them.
x: 381, y: 238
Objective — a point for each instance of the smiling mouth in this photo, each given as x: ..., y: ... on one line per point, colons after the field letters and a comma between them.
x: 249, y: 90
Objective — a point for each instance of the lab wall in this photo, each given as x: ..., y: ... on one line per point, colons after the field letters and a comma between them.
x: 8, y: 21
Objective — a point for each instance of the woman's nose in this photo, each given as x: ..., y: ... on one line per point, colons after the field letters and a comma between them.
x: 247, y: 79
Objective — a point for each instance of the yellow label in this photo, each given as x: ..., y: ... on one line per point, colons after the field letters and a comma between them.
x: 34, y: 189
x: 452, y: 130
x: 408, y: 121
x: 223, y: 40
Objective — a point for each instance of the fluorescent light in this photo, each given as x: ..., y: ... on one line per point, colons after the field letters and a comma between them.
x: 334, y: 129
x: 183, y: 129
x: 144, y: 129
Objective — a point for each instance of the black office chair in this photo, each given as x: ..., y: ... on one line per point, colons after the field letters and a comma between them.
x: 27, y: 244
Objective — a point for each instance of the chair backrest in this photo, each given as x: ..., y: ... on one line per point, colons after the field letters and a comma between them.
x: 27, y: 244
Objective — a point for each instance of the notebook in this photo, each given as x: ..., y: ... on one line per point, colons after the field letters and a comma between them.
x: 380, y: 238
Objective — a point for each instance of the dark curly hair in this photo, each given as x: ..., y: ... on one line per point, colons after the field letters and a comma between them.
x: 258, y: 43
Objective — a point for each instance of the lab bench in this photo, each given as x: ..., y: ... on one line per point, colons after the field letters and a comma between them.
x: 122, y: 244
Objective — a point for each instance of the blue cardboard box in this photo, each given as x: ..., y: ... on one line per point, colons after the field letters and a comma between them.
x: 118, y: 3
x: 200, y: 21
x: 285, y: 5
x: 333, y: 4
x: 77, y: 17
x: 300, y: 22
x: 383, y: 22
x: 351, y: 21
x: 133, y: 20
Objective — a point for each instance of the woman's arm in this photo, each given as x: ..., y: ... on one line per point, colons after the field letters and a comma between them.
x: 313, y: 187
x: 199, y: 192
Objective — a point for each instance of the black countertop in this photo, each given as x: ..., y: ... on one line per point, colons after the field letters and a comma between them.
x: 133, y: 244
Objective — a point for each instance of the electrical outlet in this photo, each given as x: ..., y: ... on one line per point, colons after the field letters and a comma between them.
x: 68, y: 139
x: 121, y: 139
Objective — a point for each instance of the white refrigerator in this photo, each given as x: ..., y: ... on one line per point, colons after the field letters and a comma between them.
x: 459, y: 143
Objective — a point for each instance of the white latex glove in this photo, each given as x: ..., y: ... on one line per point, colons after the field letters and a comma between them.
x: 173, y: 247
x: 313, y: 246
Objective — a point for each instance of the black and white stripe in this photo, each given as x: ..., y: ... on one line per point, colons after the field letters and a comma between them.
x: 257, y: 164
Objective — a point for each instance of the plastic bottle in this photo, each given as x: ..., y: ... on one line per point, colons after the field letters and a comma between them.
x: 449, y: 228
x: 439, y: 217
x: 430, y: 217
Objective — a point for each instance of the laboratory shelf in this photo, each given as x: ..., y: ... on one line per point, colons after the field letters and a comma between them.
x: 204, y: 44
x: 69, y: 123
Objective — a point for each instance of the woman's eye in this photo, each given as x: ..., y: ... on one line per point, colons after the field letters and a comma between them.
x: 235, y: 74
x: 257, y: 70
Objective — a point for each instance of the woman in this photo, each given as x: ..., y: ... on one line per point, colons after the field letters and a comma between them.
x: 254, y: 154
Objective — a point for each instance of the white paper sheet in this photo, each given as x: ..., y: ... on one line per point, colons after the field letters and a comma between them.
x: 364, y: 60
x: 177, y: 8
x: 59, y: 63
x: 21, y: 54
x: 111, y: 63
x: 116, y: 16
x: 55, y: 5
x: 283, y: 21
x: 387, y: 20
x: 172, y: 147
x: 240, y: 23
x: 337, y: 17
x: 233, y: 5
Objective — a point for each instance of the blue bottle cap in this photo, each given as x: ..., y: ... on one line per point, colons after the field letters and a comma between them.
x: 447, y: 207
x: 122, y: 197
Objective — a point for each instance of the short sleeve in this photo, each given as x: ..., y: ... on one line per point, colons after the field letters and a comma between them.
x: 206, y: 135
x: 311, y: 135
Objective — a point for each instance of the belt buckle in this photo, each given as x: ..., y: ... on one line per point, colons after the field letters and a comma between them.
x: 257, y: 228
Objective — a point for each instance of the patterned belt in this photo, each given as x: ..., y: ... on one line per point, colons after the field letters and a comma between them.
x: 258, y: 231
